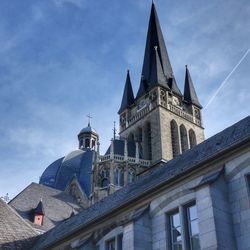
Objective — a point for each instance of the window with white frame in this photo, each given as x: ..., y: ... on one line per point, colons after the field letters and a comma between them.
x: 183, y: 230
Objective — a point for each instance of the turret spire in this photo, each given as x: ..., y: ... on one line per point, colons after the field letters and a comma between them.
x: 190, y: 95
x: 155, y: 38
x: 128, y: 95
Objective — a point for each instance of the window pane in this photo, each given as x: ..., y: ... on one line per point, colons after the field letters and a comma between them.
x: 194, y: 227
x: 176, y: 238
x: 193, y: 212
x: 178, y: 246
x: 176, y: 220
x: 195, y: 243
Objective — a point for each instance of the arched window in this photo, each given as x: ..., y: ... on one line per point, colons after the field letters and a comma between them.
x: 131, y: 137
x: 105, y: 182
x: 139, y: 140
x: 119, y: 177
x: 149, y: 141
x: 104, y: 173
x: 104, y: 177
x: 192, y: 138
x: 184, y: 138
x: 131, y: 175
x: 175, y: 138
x: 87, y: 143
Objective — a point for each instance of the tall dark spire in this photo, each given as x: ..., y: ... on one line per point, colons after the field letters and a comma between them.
x: 156, y: 73
x: 128, y: 95
x: 190, y: 95
x: 155, y: 38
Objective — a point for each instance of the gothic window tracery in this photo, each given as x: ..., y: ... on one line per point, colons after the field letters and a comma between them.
x: 192, y: 138
x: 163, y: 97
x: 184, y: 138
x: 197, y: 113
x: 104, y: 173
x: 119, y: 176
x: 175, y: 138
x: 131, y: 175
x: 147, y: 150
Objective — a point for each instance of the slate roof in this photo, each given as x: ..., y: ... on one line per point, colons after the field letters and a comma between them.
x: 194, y: 158
x: 48, y: 177
x: 15, y: 233
x: 57, y: 205
x: 128, y: 95
x: 119, y: 146
x: 59, y: 173
x: 151, y: 62
x: 190, y: 95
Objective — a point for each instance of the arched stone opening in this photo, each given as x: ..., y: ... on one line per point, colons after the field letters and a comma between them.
x: 119, y: 177
x: 184, y: 138
x: 192, y: 138
x: 131, y: 175
x: 175, y: 138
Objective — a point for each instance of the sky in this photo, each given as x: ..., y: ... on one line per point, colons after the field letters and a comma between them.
x: 61, y: 60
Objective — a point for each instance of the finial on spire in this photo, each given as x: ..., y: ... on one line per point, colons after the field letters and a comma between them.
x: 90, y: 117
x: 186, y: 66
x: 114, y: 130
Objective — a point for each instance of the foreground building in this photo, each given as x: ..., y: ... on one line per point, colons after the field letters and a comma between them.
x: 159, y: 184
x: 199, y: 200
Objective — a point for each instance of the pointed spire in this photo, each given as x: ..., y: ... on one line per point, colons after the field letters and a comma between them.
x: 155, y: 38
x: 173, y: 86
x: 143, y: 87
x: 190, y: 95
x: 128, y: 95
x: 156, y: 74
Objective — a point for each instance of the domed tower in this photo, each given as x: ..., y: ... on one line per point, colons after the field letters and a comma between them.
x: 75, y: 169
x: 88, y: 138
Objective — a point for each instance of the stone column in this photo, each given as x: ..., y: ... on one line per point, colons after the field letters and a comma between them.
x: 137, y: 153
x: 125, y: 150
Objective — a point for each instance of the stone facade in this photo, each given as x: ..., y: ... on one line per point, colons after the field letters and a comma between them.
x: 217, y: 192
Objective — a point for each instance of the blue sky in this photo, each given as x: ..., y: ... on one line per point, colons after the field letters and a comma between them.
x: 63, y: 59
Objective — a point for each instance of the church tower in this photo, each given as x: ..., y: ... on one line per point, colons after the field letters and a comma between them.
x: 164, y: 122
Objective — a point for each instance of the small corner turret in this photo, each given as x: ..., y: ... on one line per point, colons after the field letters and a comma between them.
x: 190, y: 99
